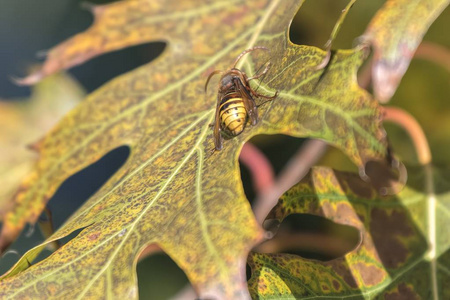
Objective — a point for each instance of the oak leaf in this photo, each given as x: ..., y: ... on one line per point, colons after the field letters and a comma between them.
x: 173, y: 192
x: 393, y: 258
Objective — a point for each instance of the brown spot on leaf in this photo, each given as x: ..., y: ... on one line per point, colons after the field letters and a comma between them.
x: 403, y: 292
x: 337, y: 125
x: 341, y: 268
x: 312, y: 120
x: 387, y: 229
x: 345, y: 214
x: 357, y: 186
x: 52, y: 289
x: 336, y: 285
x: 370, y: 274
x: 382, y: 175
x: 93, y: 236
x: 362, y: 218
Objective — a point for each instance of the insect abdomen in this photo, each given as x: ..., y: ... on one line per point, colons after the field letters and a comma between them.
x: 233, y: 116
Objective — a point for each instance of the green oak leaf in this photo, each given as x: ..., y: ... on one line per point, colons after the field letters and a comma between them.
x: 394, y: 258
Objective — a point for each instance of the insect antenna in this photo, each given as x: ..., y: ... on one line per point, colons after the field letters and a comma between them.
x: 248, y: 51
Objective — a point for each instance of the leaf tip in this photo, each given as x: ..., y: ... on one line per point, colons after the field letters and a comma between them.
x: 42, y: 54
x: 386, y: 78
x: 90, y: 7
x: 28, y: 80
x: 87, y: 6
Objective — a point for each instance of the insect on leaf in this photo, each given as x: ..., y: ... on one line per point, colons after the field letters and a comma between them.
x: 174, y: 191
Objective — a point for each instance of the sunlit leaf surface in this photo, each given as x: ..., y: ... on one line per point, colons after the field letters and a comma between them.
x: 174, y: 191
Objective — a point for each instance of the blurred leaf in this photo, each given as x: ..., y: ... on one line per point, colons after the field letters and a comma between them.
x: 23, y: 122
x: 395, y: 32
x: 392, y: 260
x: 173, y: 191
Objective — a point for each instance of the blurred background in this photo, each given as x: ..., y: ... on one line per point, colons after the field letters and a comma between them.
x: 30, y: 27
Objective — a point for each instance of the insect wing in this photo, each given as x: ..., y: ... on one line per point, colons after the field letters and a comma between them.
x: 218, y: 139
x: 249, y: 102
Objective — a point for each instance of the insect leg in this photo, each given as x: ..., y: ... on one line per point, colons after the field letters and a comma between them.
x: 218, y: 139
x: 266, y: 97
x: 256, y: 76
x: 254, y: 92
x: 261, y: 104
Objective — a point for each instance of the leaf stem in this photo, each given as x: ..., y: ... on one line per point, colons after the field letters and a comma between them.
x: 412, y: 127
x: 334, y: 32
x: 338, y: 24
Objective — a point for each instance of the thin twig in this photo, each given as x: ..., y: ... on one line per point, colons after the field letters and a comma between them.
x: 294, y: 171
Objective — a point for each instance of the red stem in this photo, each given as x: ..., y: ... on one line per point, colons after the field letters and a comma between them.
x: 412, y: 127
x: 260, y: 168
x: 435, y: 53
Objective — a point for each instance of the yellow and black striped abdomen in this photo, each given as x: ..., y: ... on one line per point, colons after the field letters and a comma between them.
x: 233, y: 116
